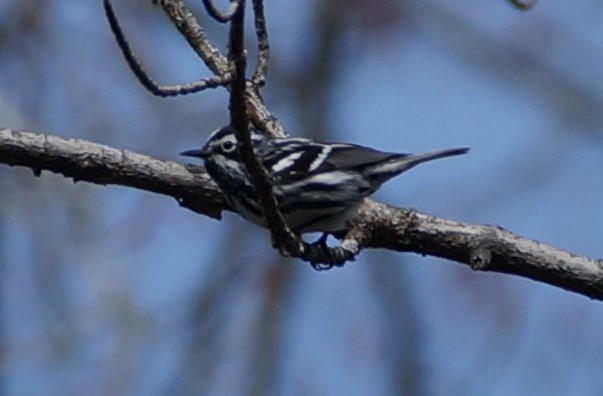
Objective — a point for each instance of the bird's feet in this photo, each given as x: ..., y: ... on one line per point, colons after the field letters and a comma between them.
x: 321, y: 243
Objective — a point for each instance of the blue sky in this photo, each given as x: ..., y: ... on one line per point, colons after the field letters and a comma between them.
x: 124, y: 292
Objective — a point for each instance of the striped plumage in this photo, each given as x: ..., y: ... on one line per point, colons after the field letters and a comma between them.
x: 318, y: 186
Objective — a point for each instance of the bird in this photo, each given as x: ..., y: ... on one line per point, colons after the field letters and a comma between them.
x: 318, y: 186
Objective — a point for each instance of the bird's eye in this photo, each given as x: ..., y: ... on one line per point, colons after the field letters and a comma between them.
x: 228, y: 146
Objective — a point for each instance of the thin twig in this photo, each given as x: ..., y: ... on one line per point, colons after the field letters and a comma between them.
x: 259, y: 76
x: 217, y: 14
x: 143, y: 76
x: 282, y: 236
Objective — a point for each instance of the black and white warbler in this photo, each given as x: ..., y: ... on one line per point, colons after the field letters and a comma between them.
x: 318, y: 186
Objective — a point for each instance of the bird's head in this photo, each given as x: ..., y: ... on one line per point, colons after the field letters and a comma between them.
x: 222, y: 142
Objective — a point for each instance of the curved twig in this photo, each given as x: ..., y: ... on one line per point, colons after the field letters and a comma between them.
x: 143, y: 76
x: 219, y: 16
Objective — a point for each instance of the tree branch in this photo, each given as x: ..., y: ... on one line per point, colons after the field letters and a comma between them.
x: 483, y: 247
x: 82, y: 160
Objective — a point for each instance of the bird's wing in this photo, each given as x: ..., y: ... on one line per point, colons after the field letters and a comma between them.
x: 292, y: 158
x: 344, y: 156
x: 299, y: 158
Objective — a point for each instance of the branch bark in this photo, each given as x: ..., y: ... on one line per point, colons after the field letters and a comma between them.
x: 82, y: 160
x: 483, y: 247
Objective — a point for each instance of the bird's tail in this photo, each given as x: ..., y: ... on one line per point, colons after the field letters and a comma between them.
x: 385, y: 170
x: 415, y: 159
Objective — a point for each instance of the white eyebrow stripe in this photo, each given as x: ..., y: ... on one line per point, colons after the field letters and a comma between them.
x: 326, y: 150
x: 287, y: 161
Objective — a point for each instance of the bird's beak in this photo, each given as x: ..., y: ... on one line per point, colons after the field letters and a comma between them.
x: 198, y: 153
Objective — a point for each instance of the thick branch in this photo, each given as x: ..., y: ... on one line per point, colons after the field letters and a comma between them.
x: 483, y: 247
x: 95, y: 163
